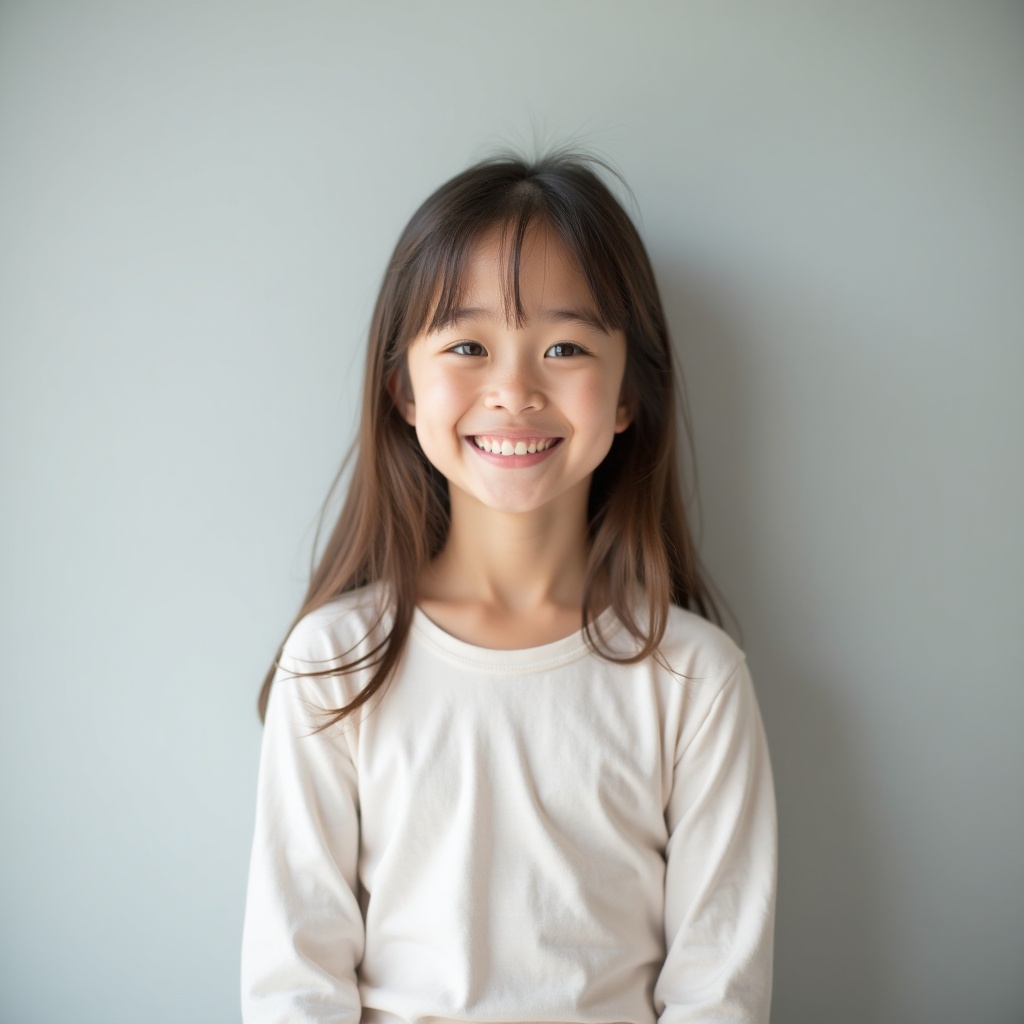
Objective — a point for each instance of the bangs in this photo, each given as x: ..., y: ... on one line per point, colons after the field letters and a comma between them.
x: 437, y: 264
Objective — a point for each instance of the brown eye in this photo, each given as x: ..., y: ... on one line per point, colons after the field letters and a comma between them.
x: 564, y: 348
x: 468, y: 348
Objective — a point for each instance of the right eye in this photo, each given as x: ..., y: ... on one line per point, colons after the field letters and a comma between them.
x: 468, y: 348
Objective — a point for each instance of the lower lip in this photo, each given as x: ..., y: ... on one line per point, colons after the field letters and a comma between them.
x: 513, y: 461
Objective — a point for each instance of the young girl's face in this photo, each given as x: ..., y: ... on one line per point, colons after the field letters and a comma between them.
x: 517, y: 419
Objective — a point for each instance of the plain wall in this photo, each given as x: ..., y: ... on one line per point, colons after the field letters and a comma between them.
x: 196, y: 205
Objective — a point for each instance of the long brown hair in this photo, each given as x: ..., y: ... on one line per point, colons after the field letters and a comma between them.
x: 395, y: 515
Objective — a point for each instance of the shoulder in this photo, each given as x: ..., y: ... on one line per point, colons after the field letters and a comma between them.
x: 337, y: 630
x: 329, y: 655
x: 695, y: 649
x: 709, y: 675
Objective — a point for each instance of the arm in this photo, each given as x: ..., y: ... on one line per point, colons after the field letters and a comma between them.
x: 720, y: 868
x: 303, y: 933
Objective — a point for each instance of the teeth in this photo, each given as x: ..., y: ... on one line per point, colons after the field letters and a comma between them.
x: 503, y: 446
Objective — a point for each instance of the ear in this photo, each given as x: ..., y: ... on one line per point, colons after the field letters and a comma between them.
x: 400, y: 392
x: 623, y: 415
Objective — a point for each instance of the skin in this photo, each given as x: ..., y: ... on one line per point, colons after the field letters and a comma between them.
x: 511, y: 573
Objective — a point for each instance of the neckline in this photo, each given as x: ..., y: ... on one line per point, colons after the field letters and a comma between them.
x: 519, y: 659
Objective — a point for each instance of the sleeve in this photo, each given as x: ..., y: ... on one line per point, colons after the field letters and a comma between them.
x: 721, y: 863
x: 303, y: 933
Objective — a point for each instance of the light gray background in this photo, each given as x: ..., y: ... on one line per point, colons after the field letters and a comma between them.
x: 196, y: 205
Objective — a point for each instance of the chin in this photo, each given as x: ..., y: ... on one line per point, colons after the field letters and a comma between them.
x: 510, y: 507
x: 521, y: 504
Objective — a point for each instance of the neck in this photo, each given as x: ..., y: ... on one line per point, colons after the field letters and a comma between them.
x: 512, y: 562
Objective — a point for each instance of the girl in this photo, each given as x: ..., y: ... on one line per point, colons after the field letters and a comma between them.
x: 510, y: 771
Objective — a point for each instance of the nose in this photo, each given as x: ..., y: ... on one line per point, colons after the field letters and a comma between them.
x: 516, y: 389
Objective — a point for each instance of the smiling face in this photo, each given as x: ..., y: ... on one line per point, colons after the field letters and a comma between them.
x: 517, y: 418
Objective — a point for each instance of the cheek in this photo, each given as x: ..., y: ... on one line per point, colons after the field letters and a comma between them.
x: 596, y: 403
x: 449, y: 391
x: 441, y: 401
x: 427, y: 383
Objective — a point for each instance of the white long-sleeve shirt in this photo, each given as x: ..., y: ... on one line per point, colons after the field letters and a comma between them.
x: 525, y: 835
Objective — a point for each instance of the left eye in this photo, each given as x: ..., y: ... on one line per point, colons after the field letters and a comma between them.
x: 564, y: 348
x: 468, y: 348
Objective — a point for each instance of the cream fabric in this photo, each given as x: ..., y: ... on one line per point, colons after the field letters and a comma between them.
x: 529, y: 835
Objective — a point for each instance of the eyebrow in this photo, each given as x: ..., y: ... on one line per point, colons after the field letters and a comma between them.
x: 468, y: 314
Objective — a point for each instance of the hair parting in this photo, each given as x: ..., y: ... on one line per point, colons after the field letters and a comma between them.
x: 394, y: 517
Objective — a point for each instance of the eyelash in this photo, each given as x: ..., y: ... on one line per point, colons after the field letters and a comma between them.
x: 465, y: 344
x: 578, y: 349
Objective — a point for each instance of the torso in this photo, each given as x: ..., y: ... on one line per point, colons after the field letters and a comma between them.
x: 490, y: 841
x: 512, y: 811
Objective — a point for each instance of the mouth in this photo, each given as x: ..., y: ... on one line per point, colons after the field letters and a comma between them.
x: 518, y: 446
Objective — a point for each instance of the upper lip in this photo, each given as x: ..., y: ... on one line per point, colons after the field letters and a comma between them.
x: 515, y: 435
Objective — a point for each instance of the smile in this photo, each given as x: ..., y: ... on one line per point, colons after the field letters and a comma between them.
x: 520, y: 446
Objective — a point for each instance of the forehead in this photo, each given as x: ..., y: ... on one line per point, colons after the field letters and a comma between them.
x: 542, y: 270
x: 512, y: 274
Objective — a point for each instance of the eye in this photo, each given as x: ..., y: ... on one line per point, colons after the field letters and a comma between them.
x: 562, y: 349
x: 468, y: 348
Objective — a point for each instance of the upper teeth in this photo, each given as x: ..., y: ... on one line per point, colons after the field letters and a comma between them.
x: 503, y: 446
